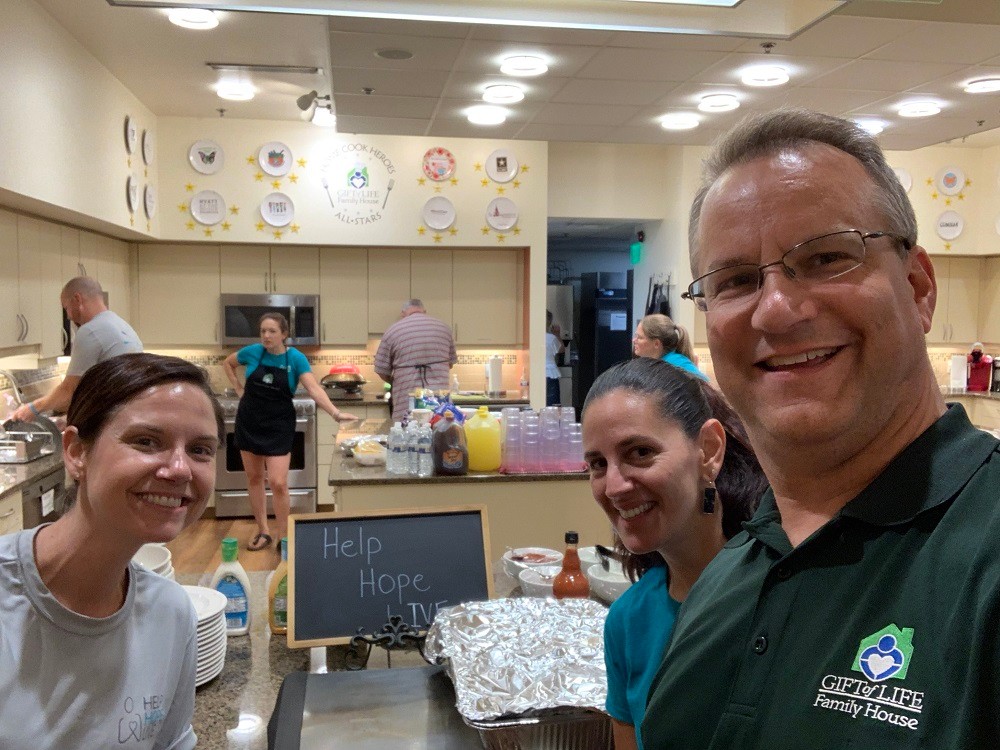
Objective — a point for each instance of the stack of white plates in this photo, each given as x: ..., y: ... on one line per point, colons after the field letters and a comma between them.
x: 210, y: 605
x: 157, y: 558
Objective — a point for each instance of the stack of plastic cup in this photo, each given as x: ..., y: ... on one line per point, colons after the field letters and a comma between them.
x: 572, y: 448
x: 531, y: 444
x: 511, y: 425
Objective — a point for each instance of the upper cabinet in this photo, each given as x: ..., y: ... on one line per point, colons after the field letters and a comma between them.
x: 488, y: 292
x: 252, y: 269
x: 956, y: 317
x: 179, y: 289
x: 388, y: 286
x: 343, y: 288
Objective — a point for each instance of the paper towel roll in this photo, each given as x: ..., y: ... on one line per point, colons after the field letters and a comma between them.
x: 494, y: 375
x: 959, y: 377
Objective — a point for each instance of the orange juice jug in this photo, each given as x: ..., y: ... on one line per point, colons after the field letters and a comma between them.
x: 482, y: 434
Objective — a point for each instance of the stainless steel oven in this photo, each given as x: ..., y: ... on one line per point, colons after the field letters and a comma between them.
x: 231, y: 496
x: 241, y: 317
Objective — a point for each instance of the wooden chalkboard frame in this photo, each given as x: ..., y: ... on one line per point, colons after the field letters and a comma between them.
x: 308, y: 518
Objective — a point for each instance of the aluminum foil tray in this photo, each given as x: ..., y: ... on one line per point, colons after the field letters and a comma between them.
x: 523, y: 658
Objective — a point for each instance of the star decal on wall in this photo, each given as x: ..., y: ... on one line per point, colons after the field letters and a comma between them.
x: 149, y: 227
x: 421, y: 231
x: 437, y: 188
x: 182, y: 207
x: 478, y: 166
x: 967, y: 182
x: 260, y: 226
x: 453, y: 231
x: 934, y: 195
x: 251, y: 159
x: 437, y: 237
x: 517, y: 230
x: 485, y: 230
x: 501, y: 237
x: 131, y: 221
x: 947, y: 246
x: 517, y: 184
x: 207, y: 231
x: 301, y: 162
x: 501, y: 190
x: 276, y: 184
x: 225, y: 226
x: 453, y: 180
x: 295, y: 228
x: 189, y: 187
x: 293, y: 178
x: 484, y: 182
x: 947, y: 201
x: 524, y: 168
x: 259, y: 177
x: 129, y: 161
x: 421, y: 180
x: 234, y: 210
x: 961, y: 196
x: 145, y: 172
x: 930, y: 180
x: 277, y: 234
x: 190, y: 225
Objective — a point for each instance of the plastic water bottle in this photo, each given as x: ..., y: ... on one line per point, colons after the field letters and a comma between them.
x: 396, y: 461
x: 412, y: 449
x: 424, y: 456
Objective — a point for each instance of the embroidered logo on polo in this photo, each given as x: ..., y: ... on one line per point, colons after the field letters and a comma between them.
x: 882, y: 656
x: 268, y: 378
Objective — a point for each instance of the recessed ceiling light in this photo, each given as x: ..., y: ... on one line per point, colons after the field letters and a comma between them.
x: 764, y: 75
x: 193, y: 18
x: 235, y: 90
x: 523, y: 66
x: 718, y: 103
x: 393, y: 54
x: 679, y: 121
x: 918, y: 109
x: 870, y: 125
x: 503, y: 93
x: 983, y: 86
x: 486, y: 114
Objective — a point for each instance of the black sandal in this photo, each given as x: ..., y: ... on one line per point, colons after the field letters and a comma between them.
x: 256, y: 546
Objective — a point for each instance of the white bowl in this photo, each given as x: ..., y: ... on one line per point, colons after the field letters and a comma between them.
x: 538, y: 581
x: 588, y: 557
x: 608, y: 584
x: 533, y: 557
x: 153, y: 557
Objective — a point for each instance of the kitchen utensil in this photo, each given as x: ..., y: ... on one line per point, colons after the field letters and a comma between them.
x: 538, y: 581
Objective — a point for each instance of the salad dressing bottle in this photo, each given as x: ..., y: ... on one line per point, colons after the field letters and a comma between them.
x: 231, y: 580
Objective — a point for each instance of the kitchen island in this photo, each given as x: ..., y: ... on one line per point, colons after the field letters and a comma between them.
x: 523, y: 510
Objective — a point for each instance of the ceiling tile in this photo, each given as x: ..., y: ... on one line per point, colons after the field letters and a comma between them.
x: 943, y: 43
x: 348, y: 49
x: 389, y: 82
x: 470, y: 85
x: 398, y: 27
x: 839, y: 36
x: 540, y: 35
x: 800, y: 69
x: 563, y: 60
x: 411, y: 107
x: 583, y: 114
x: 612, y: 93
x: 454, y: 128
x: 544, y: 132
x: 882, y: 75
x: 705, y: 42
x: 648, y: 64
x: 381, y: 125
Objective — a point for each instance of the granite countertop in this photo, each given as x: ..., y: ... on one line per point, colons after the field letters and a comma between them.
x: 476, y: 399
x: 231, y: 712
x: 946, y: 392
x: 14, y: 476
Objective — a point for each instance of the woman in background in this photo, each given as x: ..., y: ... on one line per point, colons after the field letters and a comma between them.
x: 553, y: 347
x: 265, y: 418
x: 657, y: 336
x: 671, y: 467
x: 98, y: 651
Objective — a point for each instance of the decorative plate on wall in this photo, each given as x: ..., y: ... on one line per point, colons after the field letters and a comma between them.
x: 130, y: 134
x: 439, y: 213
x: 501, y: 214
x: 950, y: 180
x: 206, y: 157
x: 131, y: 194
x: 502, y: 165
x: 277, y: 209
x: 147, y: 147
x: 904, y: 177
x: 208, y: 207
x: 275, y: 158
x: 439, y: 164
x: 949, y: 225
x: 149, y: 201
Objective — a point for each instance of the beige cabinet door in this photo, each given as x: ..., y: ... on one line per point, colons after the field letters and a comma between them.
x: 388, y: 286
x: 245, y: 269
x: 113, y: 272
x: 964, y: 275
x: 69, y: 242
x: 90, y: 254
x: 989, y: 301
x: 295, y: 270
x: 167, y: 316
x: 11, y: 327
x: 50, y: 249
x: 486, y: 297
x: 343, y: 290
x: 431, y: 281
x: 29, y: 278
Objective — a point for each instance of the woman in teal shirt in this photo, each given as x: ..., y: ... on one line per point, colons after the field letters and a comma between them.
x: 671, y: 467
x: 657, y: 336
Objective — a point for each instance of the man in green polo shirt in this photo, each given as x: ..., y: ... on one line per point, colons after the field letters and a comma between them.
x: 860, y: 608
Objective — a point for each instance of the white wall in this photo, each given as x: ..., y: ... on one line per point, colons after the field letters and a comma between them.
x: 62, y: 127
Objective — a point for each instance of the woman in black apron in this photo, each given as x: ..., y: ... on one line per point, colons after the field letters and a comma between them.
x: 265, y: 420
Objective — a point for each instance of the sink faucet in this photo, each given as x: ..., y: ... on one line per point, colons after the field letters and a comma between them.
x: 13, y: 387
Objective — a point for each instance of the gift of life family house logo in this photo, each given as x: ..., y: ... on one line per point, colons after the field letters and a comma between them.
x: 881, y: 656
x: 357, y: 178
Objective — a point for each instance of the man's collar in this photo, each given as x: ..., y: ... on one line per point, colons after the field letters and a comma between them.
x: 929, y: 471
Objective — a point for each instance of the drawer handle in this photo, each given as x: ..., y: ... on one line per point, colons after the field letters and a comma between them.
x: 8, y: 514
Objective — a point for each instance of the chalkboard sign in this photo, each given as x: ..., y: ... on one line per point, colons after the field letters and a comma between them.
x: 356, y: 571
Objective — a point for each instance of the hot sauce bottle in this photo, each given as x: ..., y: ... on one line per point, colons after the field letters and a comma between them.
x: 571, y: 582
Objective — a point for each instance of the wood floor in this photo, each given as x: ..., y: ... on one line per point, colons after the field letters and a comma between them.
x: 198, y: 549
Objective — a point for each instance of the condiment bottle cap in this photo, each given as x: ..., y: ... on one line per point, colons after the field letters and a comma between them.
x: 572, y: 537
x: 230, y: 549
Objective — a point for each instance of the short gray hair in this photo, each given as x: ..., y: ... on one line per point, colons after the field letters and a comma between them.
x: 767, y: 134
x: 413, y: 303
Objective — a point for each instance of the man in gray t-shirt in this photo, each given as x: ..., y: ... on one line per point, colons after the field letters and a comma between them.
x: 101, y: 335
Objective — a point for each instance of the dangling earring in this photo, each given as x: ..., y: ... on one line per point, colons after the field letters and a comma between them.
x: 708, y: 503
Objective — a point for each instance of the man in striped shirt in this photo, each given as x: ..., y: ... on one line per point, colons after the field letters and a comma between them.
x: 416, y: 351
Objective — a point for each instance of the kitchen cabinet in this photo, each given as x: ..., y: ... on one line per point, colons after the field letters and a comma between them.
x: 343, y: 289
x: 11, y: 513
x: 957, y: 315
x: 431, y: 281
x: 50, y: 334
x: 254, y: 269
x: 487, y: 291
x: 179, y: 289
x: 11, y: 325
x: 69, y: 244
x: 388, y: 286
x: 989, y: 304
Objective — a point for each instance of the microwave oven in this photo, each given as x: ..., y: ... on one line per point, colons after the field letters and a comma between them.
x: 241, y: 317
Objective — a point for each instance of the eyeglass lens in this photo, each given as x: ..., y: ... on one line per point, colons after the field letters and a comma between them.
x: 819, y: 259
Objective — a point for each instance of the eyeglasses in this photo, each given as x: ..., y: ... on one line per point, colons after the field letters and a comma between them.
x: 816, y: 260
